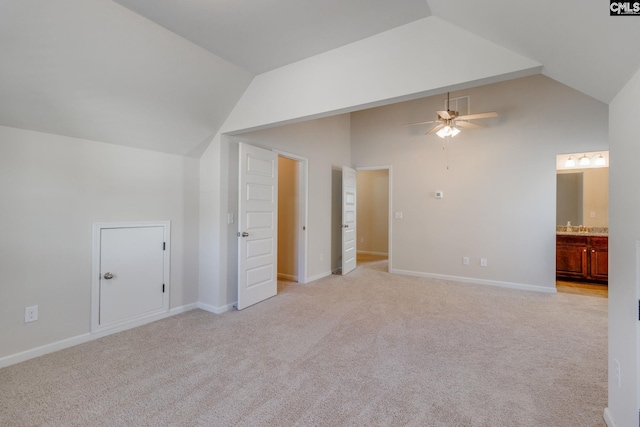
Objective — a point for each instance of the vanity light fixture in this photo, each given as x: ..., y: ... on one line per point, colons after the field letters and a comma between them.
x: 584, y: 161
x: 570, y: 163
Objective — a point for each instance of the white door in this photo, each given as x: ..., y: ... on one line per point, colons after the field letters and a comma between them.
x: 257, y: 225
x: 348, y: 220
x: 131, y: 283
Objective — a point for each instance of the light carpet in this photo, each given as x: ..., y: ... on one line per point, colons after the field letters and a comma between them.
x: 368, y: 349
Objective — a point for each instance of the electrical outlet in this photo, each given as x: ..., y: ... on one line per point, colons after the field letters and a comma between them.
x: 483, y: 262
x: 617, y: 365
x: 465, y: 260
x: 30, y: 314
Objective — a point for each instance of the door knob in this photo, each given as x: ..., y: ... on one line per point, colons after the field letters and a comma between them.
x: 245, y: 234
x: 108, y: 276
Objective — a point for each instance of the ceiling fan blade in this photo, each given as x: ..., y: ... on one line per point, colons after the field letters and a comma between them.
x: 446, y: 114
x: 478, y: 116
x: 435, y: 129
x: 422, y: 123
x: 467, y: 125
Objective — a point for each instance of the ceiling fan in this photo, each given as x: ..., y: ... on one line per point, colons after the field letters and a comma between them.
x: 450, y: 123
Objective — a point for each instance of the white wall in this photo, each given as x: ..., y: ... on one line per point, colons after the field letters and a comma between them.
x: 378, y: 70
x: 53, y: 189
x: 498, y: 182
x: 325, y: 142
x: 402, y: 63
x: 624, y: 234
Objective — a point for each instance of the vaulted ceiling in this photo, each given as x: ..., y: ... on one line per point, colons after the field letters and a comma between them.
x: 165, y: 75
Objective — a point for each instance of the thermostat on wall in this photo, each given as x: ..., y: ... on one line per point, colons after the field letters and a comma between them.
x: 439, y: 194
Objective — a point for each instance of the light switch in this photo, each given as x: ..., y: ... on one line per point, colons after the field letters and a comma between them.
x: 398, y: 215
x: 230, y: 218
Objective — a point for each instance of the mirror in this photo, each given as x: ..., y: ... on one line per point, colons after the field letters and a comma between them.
x: 582, y: 192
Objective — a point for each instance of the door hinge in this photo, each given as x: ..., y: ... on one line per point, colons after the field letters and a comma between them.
x: 304, y: 228
x: 639, y: 310
x: 163, y: 288
x: 164, y: 246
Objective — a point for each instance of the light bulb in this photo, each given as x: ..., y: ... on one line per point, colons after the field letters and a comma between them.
x: 444, y: 132
x: 600, y: 161
x: 570, y: 163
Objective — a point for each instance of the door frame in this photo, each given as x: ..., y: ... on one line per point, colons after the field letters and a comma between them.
x: 390, y: 189
x: 303, y: 209
x: 95, y: 274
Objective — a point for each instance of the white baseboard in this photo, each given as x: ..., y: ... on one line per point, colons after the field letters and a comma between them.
x: 373, y: 253
x: 22, y: 356
x: 520, y: 286
x: 287, y: 277
x: 608, y: 419
x: 318, y: 276
x: 214, y: 309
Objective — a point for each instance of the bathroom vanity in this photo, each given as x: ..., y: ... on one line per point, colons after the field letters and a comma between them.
x: 582, y: 255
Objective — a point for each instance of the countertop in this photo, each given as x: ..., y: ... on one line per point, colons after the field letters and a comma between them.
x: 576, y: 233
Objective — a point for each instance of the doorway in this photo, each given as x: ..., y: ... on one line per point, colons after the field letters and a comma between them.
x: 374, y: 206
x: 292, y: 218
x: 582, y: 223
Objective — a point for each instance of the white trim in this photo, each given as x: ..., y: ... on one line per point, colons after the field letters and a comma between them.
x: 510, y: 285
x: 216, y: 310
x: 22, y: 356
x: 287, y: 277
x: 608, y: 419
x: 372, y: 253
x: 303, y: 212
x: 95, y: 275
x: 319, y: 276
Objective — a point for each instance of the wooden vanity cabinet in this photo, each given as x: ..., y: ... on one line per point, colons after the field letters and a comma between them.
x: 582, y: 257
x: 599, y: 258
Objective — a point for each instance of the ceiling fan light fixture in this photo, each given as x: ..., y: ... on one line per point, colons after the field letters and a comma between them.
x: 444, y: 132
x: 454, y: 131
x: 584, y: 160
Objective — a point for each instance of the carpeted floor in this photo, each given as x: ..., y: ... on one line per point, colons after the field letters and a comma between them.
x: 368, y: 349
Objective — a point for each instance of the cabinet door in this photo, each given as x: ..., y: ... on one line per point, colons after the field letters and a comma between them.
x: 599, y: 263
x: 571, y: 261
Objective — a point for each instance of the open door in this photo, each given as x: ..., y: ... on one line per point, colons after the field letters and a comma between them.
x: 257, y: 225
x: 348, y: 220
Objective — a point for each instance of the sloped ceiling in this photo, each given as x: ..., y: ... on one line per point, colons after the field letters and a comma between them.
x: 262, y: 35
x: 92, y: 69
x: 98, y: 70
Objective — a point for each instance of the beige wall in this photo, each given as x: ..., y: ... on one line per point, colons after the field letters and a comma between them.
x: 498, y: 182
x: 287, y: 218
x: 595, y: 196
x: 373, y: 211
